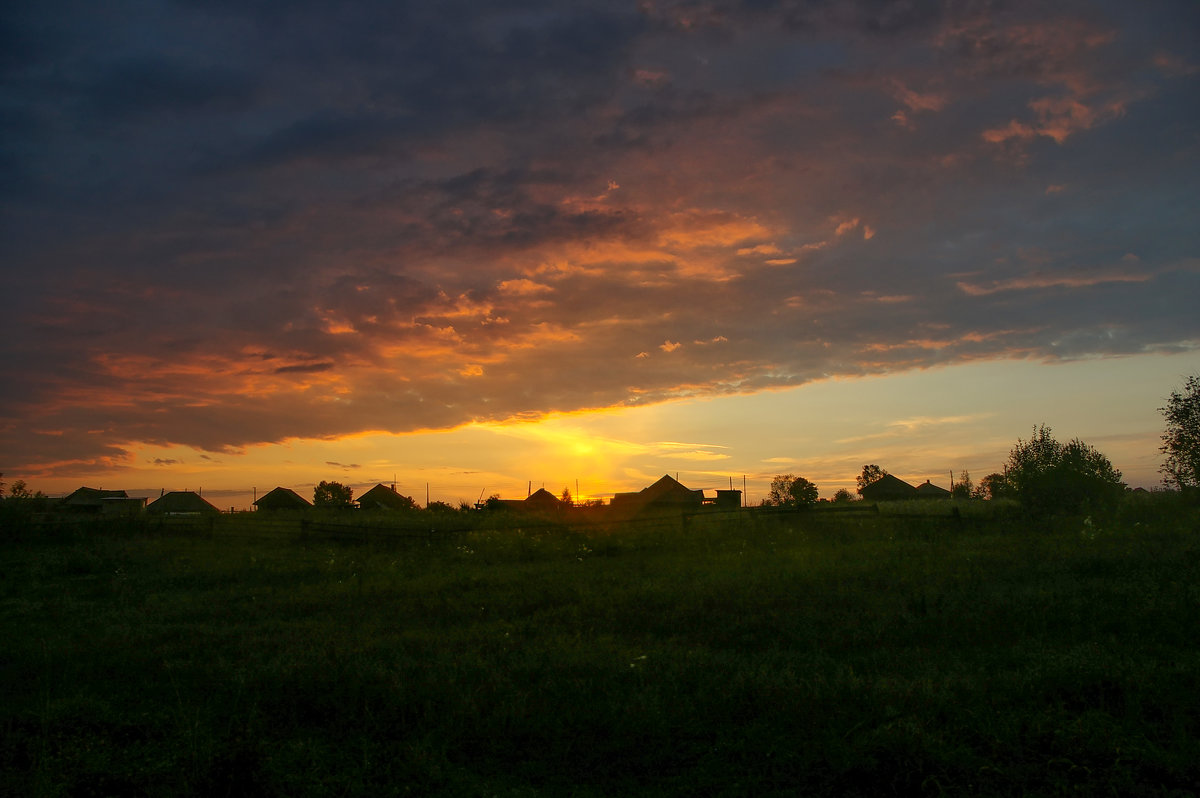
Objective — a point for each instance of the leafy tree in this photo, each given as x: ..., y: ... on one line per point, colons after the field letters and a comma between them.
x: 870, y: 473
x: 964, y: 488
x: 993, y: 486
x: 788, y: 490
x: 1181, y: 440
x: 20, y: 490
x: 842, y: 496
x: 565, y: 497
x: 440, y: 507
x: 1045, y: 475
x: 332, y: 495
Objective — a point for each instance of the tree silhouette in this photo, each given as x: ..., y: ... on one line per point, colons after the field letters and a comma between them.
x: 332, y: 495
x: 993, y: 486
x: 870, y: 473
x: 843, y: 496
x: 1048, y: 476
x: 964, y: 488
x: 788, y: 490
x: 1181, y: 440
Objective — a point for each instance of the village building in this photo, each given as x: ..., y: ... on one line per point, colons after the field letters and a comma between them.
x: 666, y: 495
x: 181, y: 503
x: 95, y: 501
x: 888, y: 488
x: 927, y: 490
x: 385, y: 497
x: 540, y: 501
x: 282, y: 499
x: 728, y: 499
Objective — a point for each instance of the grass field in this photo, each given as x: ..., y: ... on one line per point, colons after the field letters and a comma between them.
x: 817, y: 654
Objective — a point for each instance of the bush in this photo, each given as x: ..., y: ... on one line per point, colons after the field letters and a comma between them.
x: 1048, y: 477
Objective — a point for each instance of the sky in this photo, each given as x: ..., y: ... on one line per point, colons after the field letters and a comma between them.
x: 474, y: 248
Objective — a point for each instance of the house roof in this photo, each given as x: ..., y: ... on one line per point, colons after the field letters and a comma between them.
x: 666, y: 492
x: 542, y: 498
x: 930, y: 491
x: 888, y: 487
x: 181, y: 502
x: 382, y: 497
x: 91, y: 497
x: 668, y: 489
x: 282, y: 499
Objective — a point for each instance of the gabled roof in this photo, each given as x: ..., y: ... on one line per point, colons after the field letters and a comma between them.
x: 282, y: 499
x: 669, y: 490
x: 181, y: 502
x: 91, y: 497
x: 888, y: 487
x: 665, y: 493
x: 382, y: 497
x: 927, y: 490
x: 542, y: 499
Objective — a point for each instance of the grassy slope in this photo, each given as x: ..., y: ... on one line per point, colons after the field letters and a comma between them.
x: 824, y: 654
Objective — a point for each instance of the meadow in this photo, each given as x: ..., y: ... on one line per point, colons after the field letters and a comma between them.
x: 816, y: 653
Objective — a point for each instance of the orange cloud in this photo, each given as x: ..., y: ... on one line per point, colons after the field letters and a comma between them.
x: 699, y: 229
x: 917, y: 101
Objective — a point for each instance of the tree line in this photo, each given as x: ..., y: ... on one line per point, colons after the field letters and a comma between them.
x: 1045, y: 476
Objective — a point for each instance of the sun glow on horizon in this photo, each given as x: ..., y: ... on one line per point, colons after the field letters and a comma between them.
x: 918, y: 425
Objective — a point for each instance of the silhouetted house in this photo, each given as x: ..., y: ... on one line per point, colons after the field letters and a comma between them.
x: 181, y: 503
x: 93, y: 501
x: 283, y: 499
x: 927, y: 490
x: 540, y: 501
x: 384, y: 497
x: 666, y: 495
x: 888, y: 488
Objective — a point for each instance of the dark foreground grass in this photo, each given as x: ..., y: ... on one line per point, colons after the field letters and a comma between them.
x: 817, y: 654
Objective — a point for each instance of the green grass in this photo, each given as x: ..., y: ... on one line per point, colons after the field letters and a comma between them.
x: 806, y: 654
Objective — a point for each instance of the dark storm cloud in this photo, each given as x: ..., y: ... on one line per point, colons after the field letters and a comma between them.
x: 156, y: 85
x: 235, y: 223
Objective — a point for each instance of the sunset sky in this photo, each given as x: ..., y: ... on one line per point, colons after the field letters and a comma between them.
x: 478, y: 246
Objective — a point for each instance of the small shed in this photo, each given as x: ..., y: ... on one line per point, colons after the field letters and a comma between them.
x: 181, y: 503
x: 283, y: 499
x: 728, y: 499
